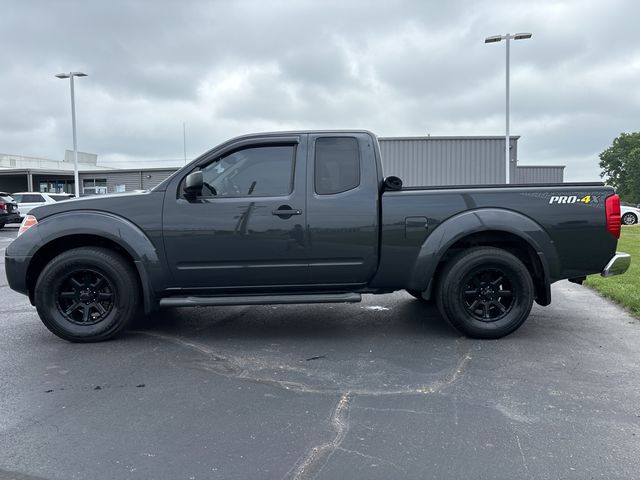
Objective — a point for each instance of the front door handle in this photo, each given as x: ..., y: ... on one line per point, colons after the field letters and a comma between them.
x: 285, y: 211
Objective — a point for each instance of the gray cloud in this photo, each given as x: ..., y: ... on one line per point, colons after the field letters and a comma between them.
x: 404, y: 67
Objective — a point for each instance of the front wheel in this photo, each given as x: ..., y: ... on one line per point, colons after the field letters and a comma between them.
x: 485, y: 292
x: 629, y: 219
x: 87, y: 294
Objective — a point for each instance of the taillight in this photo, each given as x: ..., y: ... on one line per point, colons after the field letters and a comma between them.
x: 28, y: 222
x: 3, y: 206
x: 612, y: 210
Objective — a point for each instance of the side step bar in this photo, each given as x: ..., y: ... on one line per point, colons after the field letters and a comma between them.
x: 193, y: 301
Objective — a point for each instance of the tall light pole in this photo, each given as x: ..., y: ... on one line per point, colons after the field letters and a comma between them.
x: 70, y: 76
x: 493, y: 39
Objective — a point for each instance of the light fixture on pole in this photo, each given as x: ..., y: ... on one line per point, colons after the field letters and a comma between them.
x: 70, y: 76
x: 493, y: 39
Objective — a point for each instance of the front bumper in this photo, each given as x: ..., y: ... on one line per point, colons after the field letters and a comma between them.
x: 618, y: 264
x: 16, y: 271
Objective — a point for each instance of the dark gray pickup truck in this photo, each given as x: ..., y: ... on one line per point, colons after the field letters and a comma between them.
x: 307, y: 217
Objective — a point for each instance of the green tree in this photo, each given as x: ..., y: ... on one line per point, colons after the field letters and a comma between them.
x: 621, y: 164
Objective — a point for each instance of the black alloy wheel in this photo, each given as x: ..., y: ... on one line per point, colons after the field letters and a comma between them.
x: 488, y: 294
x: 88, y: 294
x: 485, y: 292
x: 85, y: 297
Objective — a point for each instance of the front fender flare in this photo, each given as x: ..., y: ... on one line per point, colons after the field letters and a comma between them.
x: 105, y: 225
x: 487, y: 219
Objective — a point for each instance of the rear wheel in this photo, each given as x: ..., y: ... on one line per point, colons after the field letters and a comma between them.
x: 87, y: 294
x: 1, y: 226
x: 629, y: 219
x: 485, y: 292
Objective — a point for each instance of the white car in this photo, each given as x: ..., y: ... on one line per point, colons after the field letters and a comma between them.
x: 28, y: 200
x: 629, y: 215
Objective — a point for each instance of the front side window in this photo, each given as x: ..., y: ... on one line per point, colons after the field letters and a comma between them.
x: 337, y: 165
x: 258, y: 171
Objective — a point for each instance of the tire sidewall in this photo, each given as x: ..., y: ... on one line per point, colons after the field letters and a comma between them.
x: 521, y: 285
x: 58, y: 269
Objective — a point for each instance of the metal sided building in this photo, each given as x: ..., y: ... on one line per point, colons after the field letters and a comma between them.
x: 124, y: 180
x: 478, y: 160
x: 540, y: 174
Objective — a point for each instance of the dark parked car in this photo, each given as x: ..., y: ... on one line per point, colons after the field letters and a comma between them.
x: 307, y: 217
x: 8, y: 210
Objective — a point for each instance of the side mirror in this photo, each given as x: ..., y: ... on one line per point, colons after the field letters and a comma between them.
x: 193, y: 184
x: 392, y: 183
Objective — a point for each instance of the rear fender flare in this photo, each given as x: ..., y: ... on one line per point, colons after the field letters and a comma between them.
x: 473, y: 221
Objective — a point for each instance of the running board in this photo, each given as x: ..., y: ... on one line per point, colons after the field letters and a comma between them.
x: 194, y: 301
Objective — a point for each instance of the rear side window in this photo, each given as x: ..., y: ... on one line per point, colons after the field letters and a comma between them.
x: 337, y: 165
x: 29, y: 198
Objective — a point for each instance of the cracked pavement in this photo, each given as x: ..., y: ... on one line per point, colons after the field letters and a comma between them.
x: 382, y: 389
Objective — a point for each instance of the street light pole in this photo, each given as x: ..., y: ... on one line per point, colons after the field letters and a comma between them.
x: 508, y: 37
x: 507, y: 150
x: 70, y: 76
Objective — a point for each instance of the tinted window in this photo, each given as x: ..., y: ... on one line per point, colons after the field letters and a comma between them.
x: 57, y: 198
x: 28, y: 198
x: 259, y: 171
x: 337, y: 165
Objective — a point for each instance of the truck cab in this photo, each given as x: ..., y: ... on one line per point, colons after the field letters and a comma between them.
x: 277, y: 212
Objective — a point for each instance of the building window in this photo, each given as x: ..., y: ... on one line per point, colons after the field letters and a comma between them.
x: 56, y: 186
x: 94, y: 186
x: 121, y: 187
x: 94, y: 182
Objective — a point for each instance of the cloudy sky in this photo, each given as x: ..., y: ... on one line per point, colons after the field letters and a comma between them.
x: 405, y: 67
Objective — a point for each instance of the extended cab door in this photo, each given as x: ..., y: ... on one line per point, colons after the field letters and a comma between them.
x: 247, y: 229
x: 342, y: 208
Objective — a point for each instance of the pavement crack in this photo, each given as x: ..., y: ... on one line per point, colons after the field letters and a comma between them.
x: 249, y: 369
x: 398, y: 410
x: 524, y: 460
x: 223, y: 365
x: 452, y: 377
x: 312, y: 462
x: 228, y: 367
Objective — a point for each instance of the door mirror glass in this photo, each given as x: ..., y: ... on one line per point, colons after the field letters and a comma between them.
x: 193, y: 184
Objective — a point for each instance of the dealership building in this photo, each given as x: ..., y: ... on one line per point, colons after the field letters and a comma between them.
x: 428, y: 161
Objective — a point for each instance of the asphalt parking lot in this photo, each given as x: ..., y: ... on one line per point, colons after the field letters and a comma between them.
x: 382, y: 389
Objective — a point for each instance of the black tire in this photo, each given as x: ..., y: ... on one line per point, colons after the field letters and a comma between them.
x: 418, y: 295
x: 485, y: 292
x: 87, y: 279
x: 629, y: 219
x: 1, y: 226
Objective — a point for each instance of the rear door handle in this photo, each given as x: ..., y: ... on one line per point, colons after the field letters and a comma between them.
x: 285, y: 211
